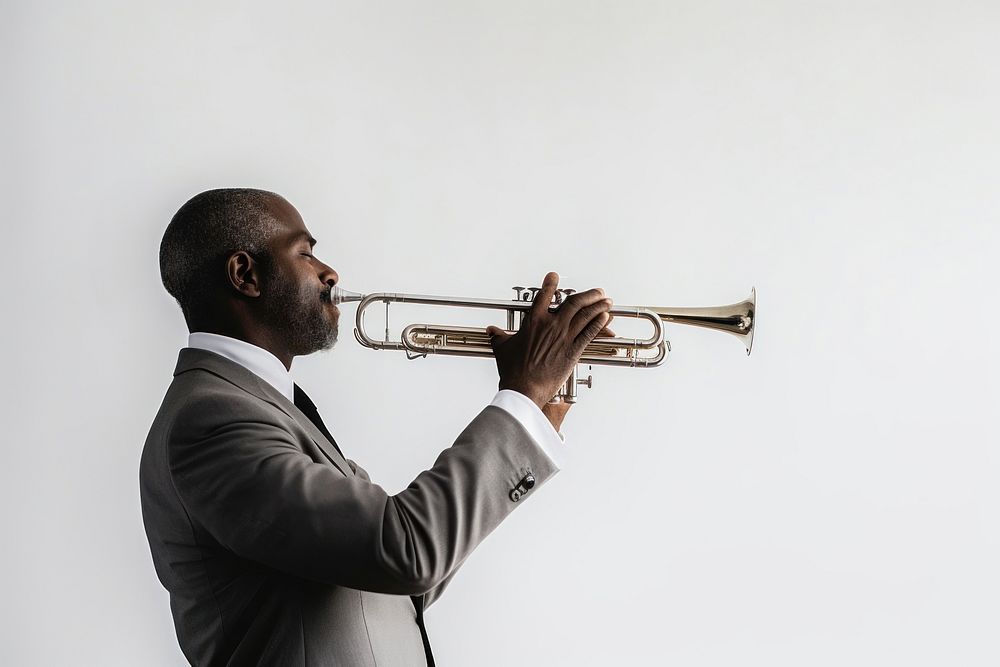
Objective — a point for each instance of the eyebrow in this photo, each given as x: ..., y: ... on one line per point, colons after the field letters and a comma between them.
x: 304, y: 235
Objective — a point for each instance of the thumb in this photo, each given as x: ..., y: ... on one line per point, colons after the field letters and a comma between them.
x: 497, y: 335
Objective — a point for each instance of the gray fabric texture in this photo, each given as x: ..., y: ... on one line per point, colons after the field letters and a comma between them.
x: 276, y: 550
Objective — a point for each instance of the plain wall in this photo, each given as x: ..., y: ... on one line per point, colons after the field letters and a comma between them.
x: 831, y: 500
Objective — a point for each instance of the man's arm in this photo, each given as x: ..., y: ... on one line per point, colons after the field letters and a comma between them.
x: 243, y: 479
x: 433, y: 594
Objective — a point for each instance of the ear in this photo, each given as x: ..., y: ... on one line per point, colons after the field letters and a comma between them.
x: 243, y: 273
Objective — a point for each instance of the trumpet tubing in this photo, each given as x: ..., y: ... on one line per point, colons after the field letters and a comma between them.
x: 420, y: 340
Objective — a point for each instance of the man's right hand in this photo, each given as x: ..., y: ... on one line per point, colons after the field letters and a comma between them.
x: 538, y: 359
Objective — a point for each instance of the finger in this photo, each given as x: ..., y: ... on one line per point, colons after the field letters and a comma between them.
x: 590, y: 332
x: 543, y: 298
x: 576, y: 302
x: 587, y: 315
x: 606, y: 332
x: 497, y: 336
x: 494, y: 331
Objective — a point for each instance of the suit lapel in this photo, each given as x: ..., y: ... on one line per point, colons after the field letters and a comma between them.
x: 192, y: 358
x: 318, y: 437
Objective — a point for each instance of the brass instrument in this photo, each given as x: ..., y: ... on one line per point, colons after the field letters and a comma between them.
x: 420, y: 340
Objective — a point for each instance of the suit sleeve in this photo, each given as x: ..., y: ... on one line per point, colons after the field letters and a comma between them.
x: 243, y: 479
x: 433, y: 594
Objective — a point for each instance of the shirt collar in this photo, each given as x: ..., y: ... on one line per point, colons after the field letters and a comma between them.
x: 255, y: 359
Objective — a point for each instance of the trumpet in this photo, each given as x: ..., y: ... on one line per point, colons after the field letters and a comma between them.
x: 420, y: 340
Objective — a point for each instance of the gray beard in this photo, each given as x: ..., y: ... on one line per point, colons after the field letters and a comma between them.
x: 300, y: 319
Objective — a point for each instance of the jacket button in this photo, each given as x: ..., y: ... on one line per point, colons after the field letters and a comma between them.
x: 528, y: 481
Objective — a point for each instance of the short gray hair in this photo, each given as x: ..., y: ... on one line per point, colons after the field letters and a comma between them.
x: 204, y: 232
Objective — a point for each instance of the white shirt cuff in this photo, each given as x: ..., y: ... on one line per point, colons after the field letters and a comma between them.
x: 524, y: 410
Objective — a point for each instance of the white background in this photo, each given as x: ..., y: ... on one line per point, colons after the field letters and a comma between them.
x: 831, y: 500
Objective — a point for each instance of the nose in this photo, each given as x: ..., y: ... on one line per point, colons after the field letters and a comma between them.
x: 328, y: 276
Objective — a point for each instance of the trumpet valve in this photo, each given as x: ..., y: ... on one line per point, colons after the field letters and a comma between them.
x: 529, y: 294
x: 524, y: 293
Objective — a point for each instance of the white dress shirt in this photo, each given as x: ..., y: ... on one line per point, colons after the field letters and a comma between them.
x: 269, y: 368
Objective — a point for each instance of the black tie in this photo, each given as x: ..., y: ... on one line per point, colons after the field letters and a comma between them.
x: 308, y: 408
x: 418, y: 603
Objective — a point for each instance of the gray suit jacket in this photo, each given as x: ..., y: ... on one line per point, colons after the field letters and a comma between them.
x: 277, y: 551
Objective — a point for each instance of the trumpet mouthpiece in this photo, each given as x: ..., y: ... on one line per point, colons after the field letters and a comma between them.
x: 339, y: 295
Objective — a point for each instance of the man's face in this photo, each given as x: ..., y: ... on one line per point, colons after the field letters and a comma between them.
x: 297, y: 286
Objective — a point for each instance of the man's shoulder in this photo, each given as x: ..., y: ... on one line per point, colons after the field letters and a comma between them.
x: 198, y: 388
x: 199, y: 401
x: 200, y: 391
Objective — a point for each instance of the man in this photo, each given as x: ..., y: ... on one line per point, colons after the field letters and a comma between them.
x: 275, y: 548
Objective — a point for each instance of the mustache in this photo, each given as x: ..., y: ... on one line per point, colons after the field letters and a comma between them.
x: 326, y: 295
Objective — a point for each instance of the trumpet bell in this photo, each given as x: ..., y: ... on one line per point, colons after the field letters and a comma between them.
x: 737, y: 319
